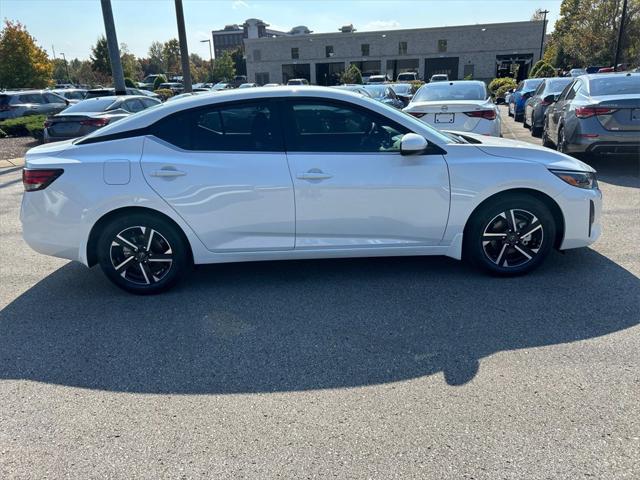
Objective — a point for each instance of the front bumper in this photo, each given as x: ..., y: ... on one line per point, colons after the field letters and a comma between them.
x: 582, y: 209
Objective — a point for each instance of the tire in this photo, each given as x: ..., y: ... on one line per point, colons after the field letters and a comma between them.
x: 509, y: 111
x: 524, y: 120
x: 536, y: 131
x: 490, y: 244
x: 143, y: 254
x: 518, y: 117
x: 546, y: 141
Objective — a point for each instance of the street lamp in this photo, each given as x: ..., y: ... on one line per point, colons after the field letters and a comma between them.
x: 66, y: 67
x: 210, y: 55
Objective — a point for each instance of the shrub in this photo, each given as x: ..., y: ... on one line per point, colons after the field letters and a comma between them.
x: 2, y: 134
x: 536, y: 67
x: 415, y: 85
x: 497, y: 83
x: 351, y: 75
x: 23, y: 126
x: 164, y: 93
x: 502, y: 91
x: 159, y: 79
x: 545, y: 70
x: 129, y: 83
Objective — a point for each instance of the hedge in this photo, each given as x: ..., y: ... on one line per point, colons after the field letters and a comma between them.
x: 164, y: 93
x: 23, y: 126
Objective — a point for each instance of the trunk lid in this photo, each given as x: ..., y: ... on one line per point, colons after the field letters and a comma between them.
x: 625, y: 115
x: 449, y: 114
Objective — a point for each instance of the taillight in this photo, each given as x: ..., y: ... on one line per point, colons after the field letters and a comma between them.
x: 47, y: 123
x: 486, y: 114
x: 95, y: 122
x: 586, y: 112
x: 34, y: 180
x: 417, y: 114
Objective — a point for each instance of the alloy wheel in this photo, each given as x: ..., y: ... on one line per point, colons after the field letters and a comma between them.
x: 141, y: 255
x: 512, y: 238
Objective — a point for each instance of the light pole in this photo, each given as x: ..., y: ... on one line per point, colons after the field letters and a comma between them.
x: 184, y: 51
x: 210, y: 55
x: 66, y: 67
x: 544, y: 30
x: 112, y: 44
x: 620, y: 31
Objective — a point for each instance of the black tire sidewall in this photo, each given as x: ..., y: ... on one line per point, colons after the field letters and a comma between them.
x: 473, y: 250
x: 181, y: 258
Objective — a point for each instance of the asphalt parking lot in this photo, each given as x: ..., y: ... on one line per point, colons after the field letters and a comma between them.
x: 368, y: 368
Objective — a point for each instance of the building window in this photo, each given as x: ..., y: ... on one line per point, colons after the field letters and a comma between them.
x: 328, y: 51
x: 262, y: 78
x: 442, y: 45
x: 402, y: 48
x: 364, y: 48
x: 295, y: 53
x: 468, y: 71
x: 257, y: 55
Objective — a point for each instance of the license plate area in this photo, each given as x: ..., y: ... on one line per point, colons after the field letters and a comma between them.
x: 445, y: 117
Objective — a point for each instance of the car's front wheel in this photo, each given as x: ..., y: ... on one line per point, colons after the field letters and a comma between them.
x: 511, y: 235
x: 142, y: 254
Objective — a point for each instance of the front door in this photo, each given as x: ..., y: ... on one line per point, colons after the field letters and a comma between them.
x: 223, y: 169
x: 353, y: 188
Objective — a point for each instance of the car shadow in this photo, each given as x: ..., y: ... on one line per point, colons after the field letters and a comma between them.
x: 622, y: 171
x: 300, y: 325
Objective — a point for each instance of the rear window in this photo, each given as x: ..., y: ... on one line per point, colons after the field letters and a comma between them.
x: 615, y: 85
x: 73, y: 95
x: 5, y: 99
x: 451, y: 91
x: 531, y: 85
x: 92, y: 105
x: 556, y: 85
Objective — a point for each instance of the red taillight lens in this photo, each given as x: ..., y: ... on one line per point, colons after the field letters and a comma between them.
x: 486, y: 114
x: 95, y: 122
x: 417, y: 114
x: 586, y: 112
x: 34, y: 180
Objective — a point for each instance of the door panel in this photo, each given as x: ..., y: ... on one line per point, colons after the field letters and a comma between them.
x: 232, y: 200
x: 369, y: 199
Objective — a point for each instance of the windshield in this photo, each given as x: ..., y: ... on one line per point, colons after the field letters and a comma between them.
x: 92, y: 105
x: 615, y: 85
x: 376, y: 91
x: 402, y: 88
x: 451, y: 91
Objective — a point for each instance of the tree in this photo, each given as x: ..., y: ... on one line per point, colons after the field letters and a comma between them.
x: 100, y: 57
x: 159, y: 79
x: 24, y: 63
x: 239, y: 62
x: 351, y: 75
x: 156, y: 58
x: 59, y: 70
x: 223, y: 68
x: 538, y: 15
x: 171, y: 56
x: 544, y: 70
x: 130, y: 64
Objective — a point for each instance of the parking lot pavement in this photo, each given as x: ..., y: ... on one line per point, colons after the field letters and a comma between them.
x: 368, y: 368
x: 514, y: 130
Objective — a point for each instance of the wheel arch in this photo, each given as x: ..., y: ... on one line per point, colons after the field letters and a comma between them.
x: 92, y: 256
x: 549, y: 202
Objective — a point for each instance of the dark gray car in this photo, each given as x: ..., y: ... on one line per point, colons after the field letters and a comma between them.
x: 88, y: 115
x: 536, y: 106
x: 18, y: 103
x: 598, y: 114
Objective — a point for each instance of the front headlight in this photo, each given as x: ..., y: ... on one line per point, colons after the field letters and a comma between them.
x: 577, y: 179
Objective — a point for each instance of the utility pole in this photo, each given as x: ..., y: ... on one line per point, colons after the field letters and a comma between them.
x: 544, y: 31
x: 184, y: 51
x: 210, y: 56
x: 66, y: 66
x: 620, y: 32
x: 114, y: 51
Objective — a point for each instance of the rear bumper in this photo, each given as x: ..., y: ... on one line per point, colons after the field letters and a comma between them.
x: 615, y: 148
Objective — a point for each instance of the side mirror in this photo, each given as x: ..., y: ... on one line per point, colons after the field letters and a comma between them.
x: 412, y: 143
x: 550, y: 98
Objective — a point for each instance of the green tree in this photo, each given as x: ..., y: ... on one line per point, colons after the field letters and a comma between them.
x: 100, y: 57
x: 223, y: 68
x: 22, y: 62
x: 159, y: 79
x: 171, y: 56
x: 544, y: 71
x: 130, y: 64
x: 239, y: 62
x: 156, y: 58
x: 351, y: 75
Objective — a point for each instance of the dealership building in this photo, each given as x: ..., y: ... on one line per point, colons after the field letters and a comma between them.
x: 481, y: 52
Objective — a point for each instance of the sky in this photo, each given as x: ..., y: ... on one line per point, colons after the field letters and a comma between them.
x: 73, y: 26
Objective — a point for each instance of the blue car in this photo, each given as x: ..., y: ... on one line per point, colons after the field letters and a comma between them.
x: 522, y: 93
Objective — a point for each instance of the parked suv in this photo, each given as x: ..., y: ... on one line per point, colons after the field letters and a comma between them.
x: 18, y: 103
x: 596, y: 114
x: 407, y: 77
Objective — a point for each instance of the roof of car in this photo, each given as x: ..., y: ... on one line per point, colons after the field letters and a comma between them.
x: 149, y: 116
x: 592, y: 76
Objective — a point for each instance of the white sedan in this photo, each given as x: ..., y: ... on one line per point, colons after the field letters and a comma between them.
x: 297, y: 173
x: 461, y: 105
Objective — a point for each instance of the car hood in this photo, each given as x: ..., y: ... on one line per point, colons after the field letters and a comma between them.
x: 504, y: 147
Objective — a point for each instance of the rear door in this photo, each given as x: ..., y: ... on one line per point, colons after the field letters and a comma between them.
x: 353, y: 188
x: 223, y: 169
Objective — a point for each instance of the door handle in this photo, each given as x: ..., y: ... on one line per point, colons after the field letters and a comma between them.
x: 165, y: 173
x: 314, y: 175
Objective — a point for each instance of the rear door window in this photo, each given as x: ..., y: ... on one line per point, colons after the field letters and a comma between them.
x: 51, y: 98
x: 32, y: 98
x: 133, y: 105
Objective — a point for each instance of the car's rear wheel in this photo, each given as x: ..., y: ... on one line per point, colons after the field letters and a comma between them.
x: 142, y: 254
x: 511, y: 235
x: 546, y: 141
x: 518, y: 117
x: 525, y: 124
x: 536, y: 131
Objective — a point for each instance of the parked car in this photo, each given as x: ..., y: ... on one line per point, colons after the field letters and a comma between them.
x: 149, y: 81
x: 73, y: 95
x: 536, y: 106
x: 298, y: 81
x: 196, y: 91
x: 18, y: 103
x: 221, y: 86
x: 462, y: 105
x: 336, y: 176
x: 606, y: 70
x: 520, y: 95
x: 593, y: 68
x: 404, y: 91
x: 238, y: 80
x: 248, y: 85
x: 373, y: 79
x: 407, y: 77
x: 576, y: 72
x: 439, y: 77
x: 89, y: 115
x: 507, y: 97
x: 271, y: 85
x: 109, y: 92
x: 385, y: 94
x: 354, y: 88
x: 596, y: 114
x: 175, y: 87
